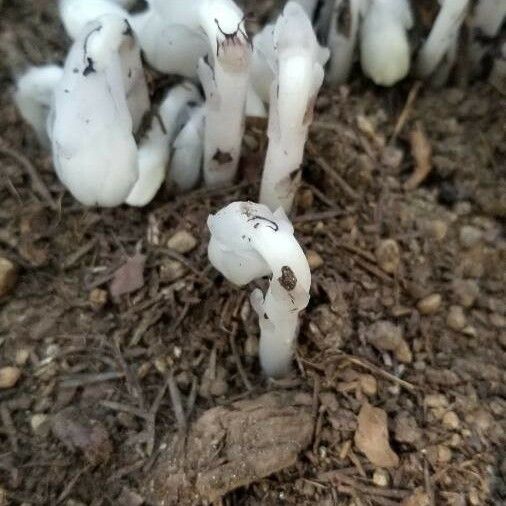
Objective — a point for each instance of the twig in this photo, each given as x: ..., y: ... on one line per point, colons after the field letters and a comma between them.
x: 9, y: 427
x: 88, y: 379
x: 322, y: 163
x: 68, y: 489
x: 177, y: 406
x: 151, y: 417
x: 237, y: 358
x: 406, y: 111
x: 371, y: 367
x: 79, y: 253
x: 37, y: 182
x: 428, y: 483
x: 126, y: 408
x: 192, y: 397
x: 324, y: 215
x: 422, y: 153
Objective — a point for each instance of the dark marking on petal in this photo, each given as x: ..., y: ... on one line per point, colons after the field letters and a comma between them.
x: 89, y: 68
x: 287, y: 280
x: 271, y: 224
x: 265, y: 316
x: 128, y: 30
x: 75, y: 70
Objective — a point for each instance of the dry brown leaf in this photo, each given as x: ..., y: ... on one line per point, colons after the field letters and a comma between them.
x: 371, y: 437
x: 422, y: 153
x: 129, y: 277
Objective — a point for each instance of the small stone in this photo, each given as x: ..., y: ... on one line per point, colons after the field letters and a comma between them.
x: 182, y: 242
x: 388, y: 255
x: 22, y: 356
x: 466, y: 291
x: 381, y: 478
x: 129, y: 497
x: 430, y: 304
x: 469, y: 236
x: 456, y: 318
x: 305, y: 199
x: 406, y: 429
x: 451, y: 420
x: 419, y: 498
x: 251, y: 346
x: 314, y: 259
x: 9, y: 376
x: 98, y: 298
x: 439, y: 230
x: 40, y: 424
x: 368, y: 384
x: 171, y: 270
x: 474, y: 497
x: 8, y: 276
x: 436, y: 401
x: 444, y: 454
x: 385, y: 336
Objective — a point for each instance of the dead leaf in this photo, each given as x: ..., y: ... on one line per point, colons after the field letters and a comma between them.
x: 422, y: 153
x: 371, y: 437
x: 129, y: 277
x: 76, y: 430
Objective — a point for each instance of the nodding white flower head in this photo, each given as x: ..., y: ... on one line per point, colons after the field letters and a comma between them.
x: 384, y: 46
x: 76, y: 14
x: 223, y: 22
x: 94, y: 150
x: 248, y: 241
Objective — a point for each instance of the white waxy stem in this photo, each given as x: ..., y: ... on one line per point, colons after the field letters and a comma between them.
x: 188, y: 150
x: 225, y: 84
x: 94, y: 151
x: 248, y: 241
x: 342, y: 39
x: 309, y: 6
x: 169, y: 45
x: 34, y: 96
x: 254, y: 105
x: 299, y: 76
x: 488, y: 17
x: 263, y: 63
x: 442, y: 37
x: 384, y: 45
x: 76, y: 14
x: 154, y: 149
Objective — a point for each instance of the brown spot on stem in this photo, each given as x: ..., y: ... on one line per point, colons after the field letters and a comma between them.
x: 287, y: 280
x: 343, y: 22
x: 222, y: 157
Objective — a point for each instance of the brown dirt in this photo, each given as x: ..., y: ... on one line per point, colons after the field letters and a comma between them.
x: 107, y: 386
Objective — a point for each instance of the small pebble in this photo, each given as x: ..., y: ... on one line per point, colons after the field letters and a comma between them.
x: 444, y: 454
x: 22, y: 356
x: 439, y: 229
x: 314, y: 259
x: 98, y: 298
x: 381, y: 478
x: 430, y: 304
x: 368, y: 384
x: 436, y: 401
x: 469, y: 236
x: 171, y: 271
x: 466, y: 291
x: 456, y: 318
x: 8, y: 276
x: 305, y: 199
x: 451, y: 420
x: 9, y: 376
x: 182, y: 242
x: 39, y: 424
x: 388, y: 255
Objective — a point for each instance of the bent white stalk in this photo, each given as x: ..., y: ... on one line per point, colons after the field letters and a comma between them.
x: 225, y: 84
x: 248, y: 241
x: 76, y: 14
x: 342, y: 39
x: 442, y: 37
x: 488, y: 17
x: 299, y: 76
x: 154, y: 150
x: 384, y: 45
x: 263, y: 63
x: 34, y: 96
x: 188, y: 150
x: 94, y: 151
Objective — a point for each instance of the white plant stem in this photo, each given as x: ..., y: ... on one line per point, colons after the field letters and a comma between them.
x: 248, y: 241
x: 442, y: 36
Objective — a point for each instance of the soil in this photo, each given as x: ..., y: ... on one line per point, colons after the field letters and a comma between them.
x: 156, y: 394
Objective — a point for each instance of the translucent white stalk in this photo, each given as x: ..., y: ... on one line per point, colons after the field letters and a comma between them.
x: 488, y: 17
x: 309, y: 7
x: 154, y: 150
x: 442, y: 36
x: 342, y: 39
x: 169, y: 45
x: 188, y: 151
x: 248, y: 241
x: 94, y: 151
x: 299, y: 76
x: 263, y: 63
x: 225, y: 85
x: 384, y: 45
x: 75, y: 14
x: 254, y: 104
x: 34, y: 95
